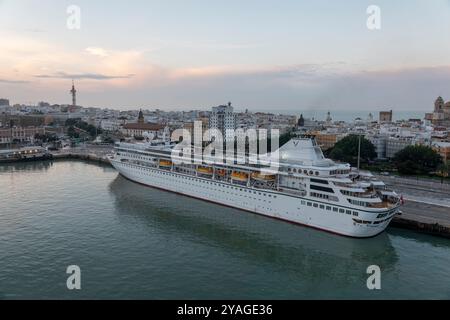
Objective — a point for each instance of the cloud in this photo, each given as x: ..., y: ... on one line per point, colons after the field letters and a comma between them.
x: 327, y: 86
x: 83, y: 76
x: 288, y: 72
x: 13, y: 81
x: 95, y: 51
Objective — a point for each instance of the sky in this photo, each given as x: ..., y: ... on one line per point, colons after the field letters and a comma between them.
x: 195, y: 54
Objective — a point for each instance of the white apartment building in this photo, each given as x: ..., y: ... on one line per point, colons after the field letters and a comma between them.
x: 223, y: 118
x: 110, y: 125
x: 380, y: 143
x: 394, y: 145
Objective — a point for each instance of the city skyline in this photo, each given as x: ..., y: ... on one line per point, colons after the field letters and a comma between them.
x: 260, y: 55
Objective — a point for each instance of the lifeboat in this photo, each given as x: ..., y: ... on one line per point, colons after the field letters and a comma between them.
x: 263, y: 177
x: 165, y: 163
x: 221, y: 172
x: 205, y: 170
x: 239, y: 176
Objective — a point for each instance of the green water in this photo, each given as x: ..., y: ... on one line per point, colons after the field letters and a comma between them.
x: 132, y: 241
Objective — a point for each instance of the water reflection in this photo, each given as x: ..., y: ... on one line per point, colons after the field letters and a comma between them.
x: 259, y: 239
x: 44, y: 165
x: 421, y: 238
x: 26, y: 166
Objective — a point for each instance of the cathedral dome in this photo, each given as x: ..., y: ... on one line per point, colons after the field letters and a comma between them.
x: 447, y: 105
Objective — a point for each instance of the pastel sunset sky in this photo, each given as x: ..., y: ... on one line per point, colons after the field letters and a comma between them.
x: 262, y: 55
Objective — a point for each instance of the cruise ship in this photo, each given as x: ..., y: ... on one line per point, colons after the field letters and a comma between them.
x: 307, y: 189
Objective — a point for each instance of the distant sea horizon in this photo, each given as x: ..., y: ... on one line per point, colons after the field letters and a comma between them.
x: 319, y: 114
x: 344, y: 115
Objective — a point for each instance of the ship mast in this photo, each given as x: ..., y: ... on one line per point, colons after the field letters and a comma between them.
x: 359, y: 151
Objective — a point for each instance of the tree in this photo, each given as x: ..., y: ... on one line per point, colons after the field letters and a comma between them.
x: 282, y: 140
x: 346, y: 150
x: 83, y: 126
x: 71, y: 132
x: 444, y: 170
x: 47, y: 137
x: 72, y: 122
x: 417, y: 160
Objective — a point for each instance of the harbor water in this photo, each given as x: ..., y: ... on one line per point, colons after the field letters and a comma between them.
x: 132, y: 241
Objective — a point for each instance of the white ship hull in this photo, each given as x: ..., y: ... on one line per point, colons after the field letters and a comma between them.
x: 295, y: 209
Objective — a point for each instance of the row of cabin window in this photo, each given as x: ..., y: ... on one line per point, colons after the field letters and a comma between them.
x: 329, y: 208
x: 359, y: 203
x: 334, y: 172
x: 311, y: 173
x: 323, y: 196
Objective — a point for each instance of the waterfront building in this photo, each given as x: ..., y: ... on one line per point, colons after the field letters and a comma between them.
x: 142, y: 129
x: 19, y: 135
x: 200, y: 131
x: 386, y: 116
x: 443, y: 148
x: 441, y: 113
x: 394, y: 145
x: 439, y: 132
x: 223, y: 118
x: 327, y: 140
x: 189, y: 127
x: 111, y: 125
x: 4, y: 103
x: 380, y: 143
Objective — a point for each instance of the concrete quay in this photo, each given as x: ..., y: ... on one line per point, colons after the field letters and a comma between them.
x: 425, y: 218
x: 427, y: 205
x: 91, y: 154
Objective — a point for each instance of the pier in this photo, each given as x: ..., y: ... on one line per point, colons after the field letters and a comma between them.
x: 424, y: 217
x: 427, y: 205
x: 96, y: 154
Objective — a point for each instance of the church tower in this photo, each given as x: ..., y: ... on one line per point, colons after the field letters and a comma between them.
x: 439, y: 104
x: 141, y: 117
x: 301, y: 121
x: 329, y: 119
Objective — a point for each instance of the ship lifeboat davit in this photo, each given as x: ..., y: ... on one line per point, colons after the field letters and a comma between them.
x: 239, y: 176
x: 263, y: 177
x: 165, y: 163
x: 205, y: 170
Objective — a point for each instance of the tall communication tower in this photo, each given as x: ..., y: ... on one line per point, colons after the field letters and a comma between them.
x: 74, y: 95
